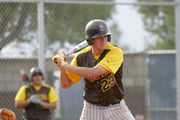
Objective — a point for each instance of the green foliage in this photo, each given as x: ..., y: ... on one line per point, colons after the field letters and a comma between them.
x: 116, y: 36
x: 13, y: 22
x: 67, y: 22
x: 63, y: 22
x: 159, y: 21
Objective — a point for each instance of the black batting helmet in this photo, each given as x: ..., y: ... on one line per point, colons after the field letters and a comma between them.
x: 34, y: 71
x: 96, y: 28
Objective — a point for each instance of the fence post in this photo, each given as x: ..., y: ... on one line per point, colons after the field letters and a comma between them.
x: 177, y: 31
x: 41, y: 51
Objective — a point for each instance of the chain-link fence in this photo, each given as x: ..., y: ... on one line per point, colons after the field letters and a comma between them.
x: 146, y: 76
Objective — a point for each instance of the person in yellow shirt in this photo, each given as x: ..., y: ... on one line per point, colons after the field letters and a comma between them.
x: 101, y: 66
x: 37, y: 99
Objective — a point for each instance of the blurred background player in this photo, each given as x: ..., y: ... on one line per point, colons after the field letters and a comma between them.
x: 101, y: 67
x: 37, y: 99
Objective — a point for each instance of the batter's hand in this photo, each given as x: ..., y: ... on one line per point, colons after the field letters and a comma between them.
x: 37, y: 100
x: 30, y: 100
x: 60, y: 59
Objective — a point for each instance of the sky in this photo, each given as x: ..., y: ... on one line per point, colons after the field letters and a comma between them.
x: 131, y: 25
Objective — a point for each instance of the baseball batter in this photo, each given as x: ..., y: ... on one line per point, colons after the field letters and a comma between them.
x: 101, y: 66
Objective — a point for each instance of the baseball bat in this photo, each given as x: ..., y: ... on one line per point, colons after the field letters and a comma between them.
x: 76, y: 49
x: 25, y: 78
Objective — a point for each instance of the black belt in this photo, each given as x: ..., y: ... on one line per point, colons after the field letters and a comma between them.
x: 105, y: 104
x: 108, y: 104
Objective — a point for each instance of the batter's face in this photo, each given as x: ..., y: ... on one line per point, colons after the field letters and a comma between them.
x: 100, y: 42
x: 37, y: 79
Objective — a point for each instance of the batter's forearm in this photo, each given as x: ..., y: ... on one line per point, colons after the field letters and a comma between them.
x: 21, y: 104
x: 50, y: 105
x: 85, y: 71
x: 64, y: 79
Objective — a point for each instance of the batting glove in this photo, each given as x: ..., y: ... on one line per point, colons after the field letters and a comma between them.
x: 60, y: 59
x: 37, y: 100
x: 31, y: 98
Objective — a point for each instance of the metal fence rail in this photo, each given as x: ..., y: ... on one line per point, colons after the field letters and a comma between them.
x: 146, y: 3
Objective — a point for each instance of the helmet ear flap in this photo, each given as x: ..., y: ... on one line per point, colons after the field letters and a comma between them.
x: 109, y: 38
x: 89, y: 40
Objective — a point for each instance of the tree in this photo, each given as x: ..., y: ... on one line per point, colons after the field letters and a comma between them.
x: 63, y: 22
x: 12, y: 21
x: 116, y: 36
x: 159, y: 21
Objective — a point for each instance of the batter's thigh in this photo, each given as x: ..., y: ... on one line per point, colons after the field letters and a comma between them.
x: 118, y: 112
x: 91, y: 112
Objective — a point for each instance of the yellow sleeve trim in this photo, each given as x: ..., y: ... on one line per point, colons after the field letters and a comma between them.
x: 113, y: 59
x: 107, y: 68
x: 73, y: 77
x: 21, y: 95
x: 53, y: 96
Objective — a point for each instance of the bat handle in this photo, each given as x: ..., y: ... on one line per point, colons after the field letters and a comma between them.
x: 56, y: 59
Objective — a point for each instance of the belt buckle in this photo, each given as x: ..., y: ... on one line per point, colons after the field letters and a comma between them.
x: 115, y: 103
x: 105, y: 104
